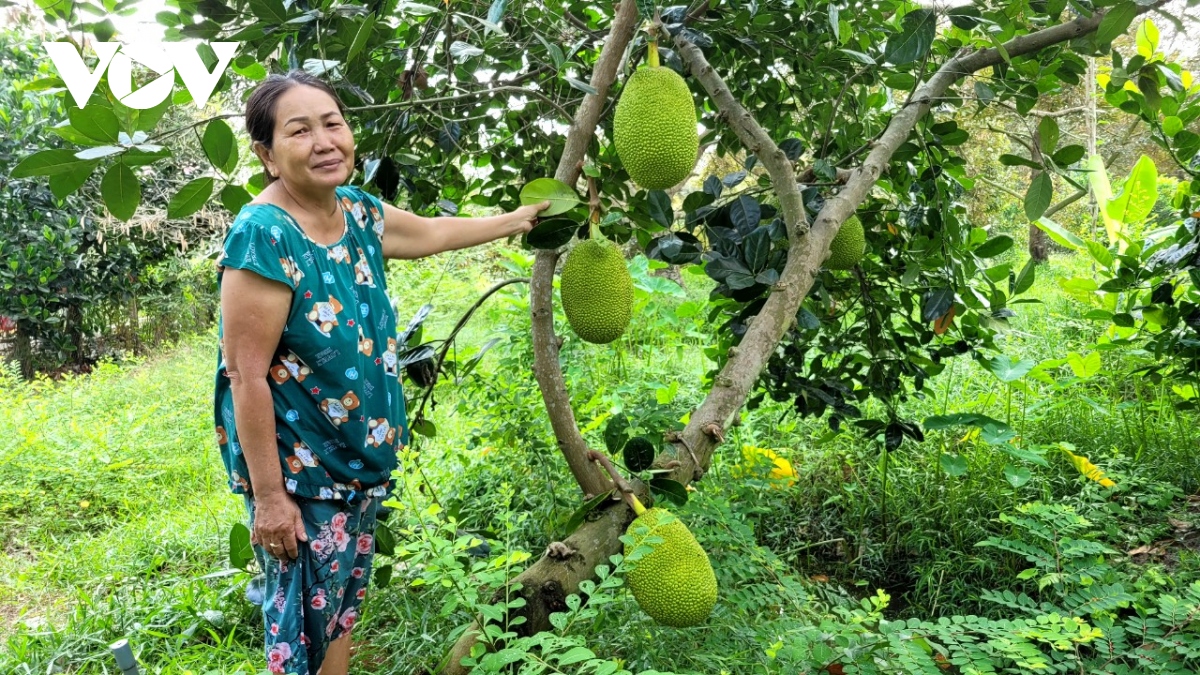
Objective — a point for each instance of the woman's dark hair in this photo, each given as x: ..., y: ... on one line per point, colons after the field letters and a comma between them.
x: 262, y: 104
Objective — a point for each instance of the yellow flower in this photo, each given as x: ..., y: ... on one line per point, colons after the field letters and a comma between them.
x: 781, y: 469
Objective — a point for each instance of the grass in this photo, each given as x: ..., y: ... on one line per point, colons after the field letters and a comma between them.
x: 116, y: 512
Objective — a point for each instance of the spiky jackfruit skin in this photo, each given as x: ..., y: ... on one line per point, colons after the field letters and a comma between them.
x: 597, y: 291
x: 848, y: 246
x: 674, y: 583
x: 654, y: 128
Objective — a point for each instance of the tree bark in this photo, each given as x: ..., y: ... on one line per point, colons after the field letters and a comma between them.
x: 23, y: 351
x: 1039, y: 243
x: 554, y: 576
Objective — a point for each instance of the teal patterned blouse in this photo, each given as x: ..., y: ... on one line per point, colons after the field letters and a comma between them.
x: 335, y: 377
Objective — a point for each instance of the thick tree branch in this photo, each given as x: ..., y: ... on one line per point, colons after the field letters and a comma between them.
x: 545, y: 343
x: 753, y: 137
x: 547, y: 582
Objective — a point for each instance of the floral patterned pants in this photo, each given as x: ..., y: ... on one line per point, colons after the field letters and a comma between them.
x: 314, y: 599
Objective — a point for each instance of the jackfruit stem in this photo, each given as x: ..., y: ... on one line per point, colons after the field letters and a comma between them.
x: 652, y: 54
x: 618, y: 480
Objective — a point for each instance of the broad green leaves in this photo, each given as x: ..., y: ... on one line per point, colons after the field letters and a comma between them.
x: 220, y: 146
x: 1039, y: 195
x: 1116, y: 21
x: 191, y: 198
x: 561, y: 196
x: 913, y: 42
x: 1138, y: 194
x: 121, y: 191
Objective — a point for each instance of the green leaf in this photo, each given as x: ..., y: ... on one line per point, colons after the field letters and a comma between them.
x: 1147, y: 38
x: 646, y: 9
x: 1048, y: 134
x: 1016, y: 476
x: 551, y: 234
x: 190, y: 198
x: 1102, y: 191
x: 361, y: 38
x: 575, y: 655
x: 1116, y: 21
x: 220, y: 146
x: 1172, y: 125
x: 382, y: 574
x: 936, y: 303
x: 660, y: 208
x: 639, y: 454
x: 994, y: 246
x: 1138, y: 195
x: 672, y: 490
x: 425, y: 428
x: 1068, y: 155
x: 1008, y: 369
x: 915, y: 39
x: 1037, y: 198
x: 1026, y: 278
x: 616, y: 433
x: 385, y: 541
x: 121, y: 191
x: 270, y: 11
x: 48, y: 163
x: 96, y: 122
x: 1060, y: 234
x: 1017, y: 160
x: 954, y: 465
x: 560, y: 195
x: 1100, y: 254
x: 63, y: 184
x: 234, y: 197
x: 240, y: 550
x: 1084, y: 366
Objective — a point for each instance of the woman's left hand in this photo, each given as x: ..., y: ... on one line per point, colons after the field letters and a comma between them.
x: 526, y: 217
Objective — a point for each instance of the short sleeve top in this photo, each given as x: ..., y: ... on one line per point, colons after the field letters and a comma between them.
x: 339, y: 408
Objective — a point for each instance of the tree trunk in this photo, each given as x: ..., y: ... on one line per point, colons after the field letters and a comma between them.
x: 23, y: 351
x: 1039, y: 243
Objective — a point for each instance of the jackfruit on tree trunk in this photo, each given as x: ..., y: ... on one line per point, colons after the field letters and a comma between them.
x: 654, y: 128
x: 674, y: 583
x: 848, y: 246
x: 597, y: 291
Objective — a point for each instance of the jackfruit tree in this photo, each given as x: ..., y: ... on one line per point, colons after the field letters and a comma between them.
x: 830, y: 110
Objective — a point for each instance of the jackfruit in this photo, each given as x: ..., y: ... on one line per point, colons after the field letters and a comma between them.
x: 654, y: 128
x: 597, y: 291
x: 674, y: 583
x: 848, y: 246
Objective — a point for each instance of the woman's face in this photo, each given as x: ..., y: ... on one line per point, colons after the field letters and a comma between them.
x: 312, y: 146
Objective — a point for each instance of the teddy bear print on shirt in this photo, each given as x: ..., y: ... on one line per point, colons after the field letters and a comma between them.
x: 362, y: 271
x: 338, y: 411
x: 339, y: 253
x: 365, y: 344
x: 379, y: 432
x: 290, y: 366
x: 291, y: 270
x: 323, y: 315
x: 390, y: 359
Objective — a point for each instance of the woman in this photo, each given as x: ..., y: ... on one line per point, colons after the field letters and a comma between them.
x: 308, y: 407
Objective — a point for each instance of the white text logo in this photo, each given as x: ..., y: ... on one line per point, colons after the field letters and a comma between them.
x: 165, y: 58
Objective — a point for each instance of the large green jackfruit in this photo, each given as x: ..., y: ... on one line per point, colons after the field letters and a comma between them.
x: 848, y: 246
x: 597, y: 291
x: 674, y: 583
x: 654, y: 128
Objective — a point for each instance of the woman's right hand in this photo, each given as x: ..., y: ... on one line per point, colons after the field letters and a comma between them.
x: 278, y: 526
